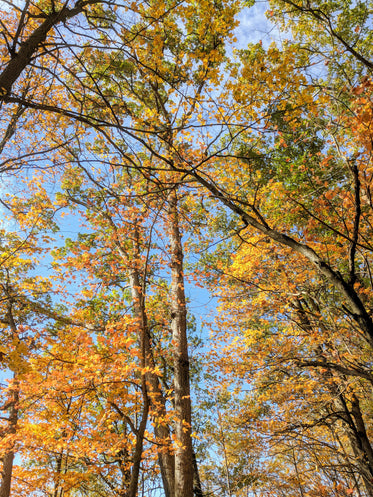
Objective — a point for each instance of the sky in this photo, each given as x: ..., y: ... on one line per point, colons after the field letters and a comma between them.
x: 254, y: 26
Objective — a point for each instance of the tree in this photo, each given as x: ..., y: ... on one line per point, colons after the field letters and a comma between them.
x: 148, y: 127
x: 23, y: 300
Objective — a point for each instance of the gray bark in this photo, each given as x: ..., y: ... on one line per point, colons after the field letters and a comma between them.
x: 184, y: 468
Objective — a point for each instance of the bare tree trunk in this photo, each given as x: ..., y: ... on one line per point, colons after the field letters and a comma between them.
x: 154, y: 392
x: 184, y: 467
x: 362, y: 433
x: 137, y: 457
x: 197, y: 487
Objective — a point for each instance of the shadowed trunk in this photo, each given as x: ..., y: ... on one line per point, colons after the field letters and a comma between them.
x: 8, y: 457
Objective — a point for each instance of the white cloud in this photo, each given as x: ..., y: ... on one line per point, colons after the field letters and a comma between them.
x: 255, y: 26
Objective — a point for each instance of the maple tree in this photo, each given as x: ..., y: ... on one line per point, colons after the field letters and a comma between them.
x: 24, y: 300
x: 132, y: 119
x: 311, y: 180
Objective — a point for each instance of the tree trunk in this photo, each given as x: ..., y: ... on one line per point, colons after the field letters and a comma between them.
x: 137, y: 457
x: 197, y: 487
x: 154, y: 392
x: 8, y: 458
x: 184, y: 468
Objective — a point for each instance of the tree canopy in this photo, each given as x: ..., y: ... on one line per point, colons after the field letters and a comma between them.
x: 152, y: 162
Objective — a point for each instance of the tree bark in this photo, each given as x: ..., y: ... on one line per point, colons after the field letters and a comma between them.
x: 184, y: 468
x: 137, y: 457
x: 8, y: 458
x: 357, y: 438
x: 156, y: 398
x: 197, y: 487
x: 12, y: 407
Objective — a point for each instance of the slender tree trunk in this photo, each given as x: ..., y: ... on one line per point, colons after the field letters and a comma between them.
x: 12, y: 407
x: 137, y: 457
x: 8, y: 458
x: 361, y: 432
x: 197, y: 487
x: 58, y: 491
x: 184, y: 467
x: 226, y: 462
x: 154, y: 392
